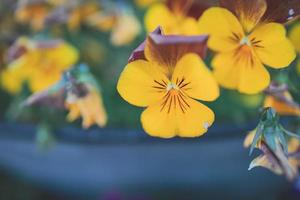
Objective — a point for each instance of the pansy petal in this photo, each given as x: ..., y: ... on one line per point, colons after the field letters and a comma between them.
x: 192, y: 76
x: 195, y: 120
x: 179, y: 6
x: 263, y: 161
x: 248, y: 76
x: 254, y: 77
x: 281, y: 107
x: 188, y: 26
x: 166, y: 50
x: 249, y: 12
x: 158, y: 123
x: 140, y: 81
x: 272, y: 46
x: 223, y: 28
x: 225, y: 70
x: 178, y: 119
x: 281, y: 11
x: 158, y: 15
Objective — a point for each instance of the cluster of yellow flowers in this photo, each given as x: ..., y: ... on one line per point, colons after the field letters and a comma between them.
x: 245, y: 36
x: 42, y: 13
x: 39, y: 63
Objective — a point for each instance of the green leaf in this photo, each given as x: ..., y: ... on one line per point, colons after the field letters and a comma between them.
x: 289, y: 133
x: 281, y: 138
x: 269, y: 136
x: 259, y: 131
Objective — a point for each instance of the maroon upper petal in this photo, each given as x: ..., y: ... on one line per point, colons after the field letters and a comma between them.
x: 168, y: 49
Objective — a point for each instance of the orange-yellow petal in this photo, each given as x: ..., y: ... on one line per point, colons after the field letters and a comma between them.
x: 281, y: 108
x: 226, y: 72
x: 158, y: 15
x: 249, y: 13
x: 246, y: 74
x: 273, y: 49
x: 121, y: 34
x: 187, y: 26
x: 223, y: 28
x: 166, y: 123
x: 63, y: 55
x: 11, y: 82
x: 199, y: 82
x: 254, y: 78
x: 249, y: 138
x: 195, y: 121
x: 90, y: 108
x: 159, y: 123
x: 139, y: 82
x: 171, y: 23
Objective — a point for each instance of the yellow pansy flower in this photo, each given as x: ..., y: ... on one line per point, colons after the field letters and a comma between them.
x: 40, y: 65
x: 168, y: 82
x: 174, y: 17
x: 89, y: 106
x: 245, y: 38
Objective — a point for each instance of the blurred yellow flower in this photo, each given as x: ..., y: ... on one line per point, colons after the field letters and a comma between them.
x: 89, y: 106
x: 145, y: 3
x: 103, y: 21
x: 81, y: 14
x: 167, y: 83
x: 172, y: 19
x: 244, y: 44
x: 33, y: 13
x: 40, y: 65
x: 121, y: 34
x: 117, y: 22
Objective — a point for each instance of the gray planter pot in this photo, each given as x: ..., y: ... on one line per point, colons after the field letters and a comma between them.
x: 86, y: 165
